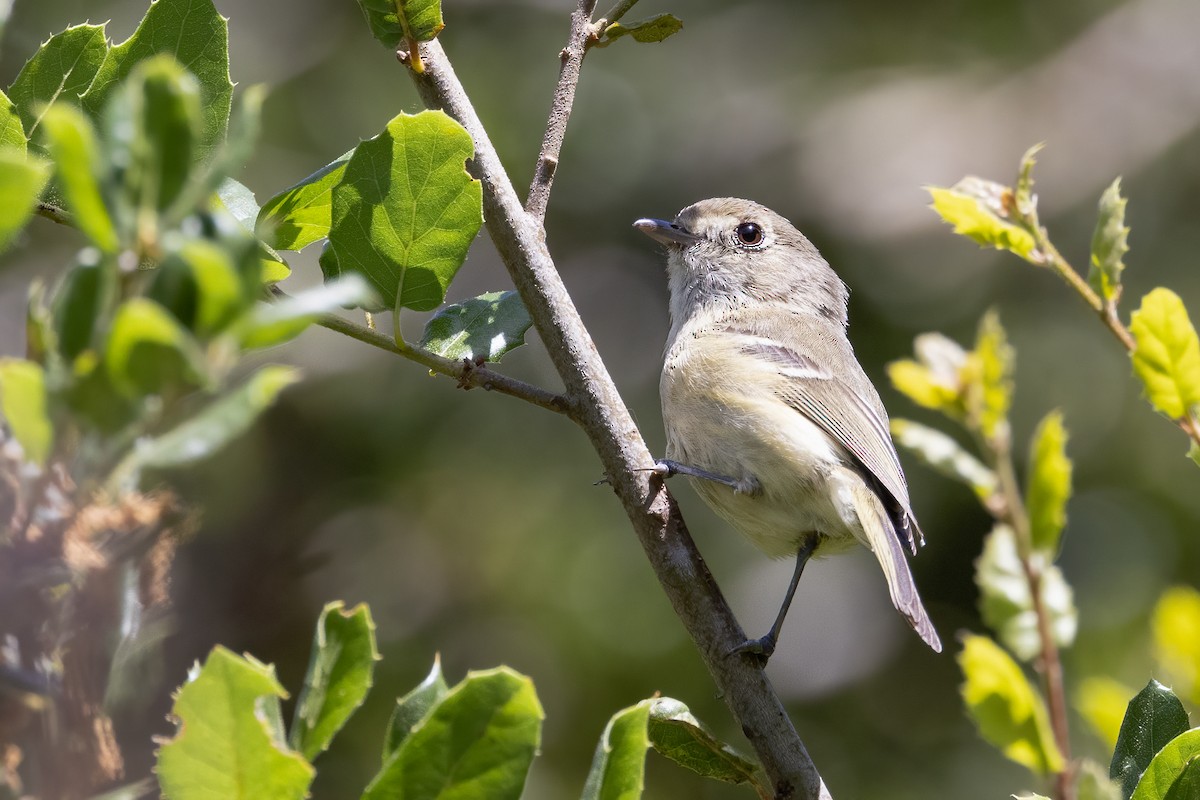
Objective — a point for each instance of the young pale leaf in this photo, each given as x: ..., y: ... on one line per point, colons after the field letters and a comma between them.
x: 275, y: 323
x: 12, y: 132
x: 1154, y: 717
x: 945, y: 455
x: 62, y: 68
x: 1101, y: 702
x: 1030, y: 796
x: 974, y: 216
x: 1167, y: 356
x: 81, y: 167
x: 237, y: 199
x: 196, y: 35
x: 1049, y: 484
x: 1176, y: 623
x: 678, y: 735
x: 1109, y: 244
x: 477, y: 742
x: 406, y: 210
x: 22, y: 179
x: 619, y: 765
x: 224, y: 747
x: 1006, y: 603
x: 339, y: 676
x: 990, y: 382
x: 24, y: 403
x: 1174, y: 771
x: 1024, y: 200
x: 149, y: 352
x: 1092, y: 782
x: 654, y: 29
x: 302, y: 214
x: 392, y: 21
x: 1009, y: 712
x: 220, y: 423
x: 488, y: 326
x: 414, y: 707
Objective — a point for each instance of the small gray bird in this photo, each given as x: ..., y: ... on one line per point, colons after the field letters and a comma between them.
x: 765, y: 406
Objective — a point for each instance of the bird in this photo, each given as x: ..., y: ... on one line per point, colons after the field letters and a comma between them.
x: 765, y: 406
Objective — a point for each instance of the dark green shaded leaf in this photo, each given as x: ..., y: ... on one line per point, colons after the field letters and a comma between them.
x: 149, y: 352
x: 654, y: 29
x: 392, y: 21
x: 94, y: 399
x: 414, y: 707
x: 488, y: 326
x: 302, y: 214
x: 197, y: 36
x: 677, y: 734
x: 339, y: 676
x: 12, y: 133
x: 619, y: 764
x: 1167, y: 356
x: 78, y: 302
x: 199, y: 284
x: 223, y: 747
x: 166, y: 99
x: 1109, y: 244
x: 22, y: 179
x: 61, y: 69
x: 275, y: 323
x: 1049, y: 484
x: 1154, y: 717
x: 81, y: 167
x: 26, y: 409
x: 406, y: 210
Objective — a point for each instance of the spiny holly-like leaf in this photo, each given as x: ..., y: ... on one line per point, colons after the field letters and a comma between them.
x: 1049, y: 484
x: 22, y: 178
x: 1167, y: 356
x: 413, y: 707
x: 339, y: 676
x: 406, y: 211
x: 80, y: 165
x: 1154, y: 717
x: 224, y: 747
x: 1173, y: 773
x: 1176, y: 623
x: 275, y: 323
x: 488, y: 326
x: 1006, y: 603
x: 12, y: 132
x: 619, y: 764
x: 302, y: 214
x: 392, y: 21
x: 945, y: 455
x: 1101, y: 702
x: 1109, y: 244
x: 197, y: 36
x: 26, y: 410
x: 1009, y: 712
x: 976, y: 210
x: 678, y: 735
x: 477, y: 742
x: 653, y: 29
x: 61, y: 69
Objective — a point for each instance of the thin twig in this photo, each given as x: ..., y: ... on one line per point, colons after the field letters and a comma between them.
x: 55, y: 213
x: 619, y: 10
x: 604, y: 418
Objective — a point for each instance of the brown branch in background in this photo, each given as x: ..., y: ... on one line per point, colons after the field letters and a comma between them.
x: 610, y: 428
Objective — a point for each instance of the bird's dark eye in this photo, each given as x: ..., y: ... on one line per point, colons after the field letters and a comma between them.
x: 749, y: 234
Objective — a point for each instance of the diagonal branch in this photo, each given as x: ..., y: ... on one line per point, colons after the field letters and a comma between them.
x: 606, y: 421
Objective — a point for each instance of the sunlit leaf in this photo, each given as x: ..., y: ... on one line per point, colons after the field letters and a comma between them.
x: 1024, y: 200
x: 1176, y: 623
x: 163, y: 100
x: 148, y: 351
x: 989, y: 381
x: 1174, y: 772
x: 619, y: 764
x: 199, y: 283
x: 392, y: 21
x: 61, y: 69
x: 22, y: 179
x: 678, y: 735
x: 12, y: 133
x: 1154, y: 717
x: 945, y: 455
x: 1092, y: 782
x: 653, y: 29
x: 81, y: 166
x: 1167, y: 356
x: 26, y: 407
x: 236, y: 198
x: 1101, y: 702
x: 972, y: 215
x: 1049, y: 484
x: 1009, y: 712
x: 488, y: 326
x: 275, y: 323
x: 413, y: 707
x: 935, y: 379
x: 1109, y: 243
x: 302, y: 214
x: 1187, y: 784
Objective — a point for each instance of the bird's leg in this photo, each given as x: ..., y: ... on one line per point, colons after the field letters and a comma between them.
x: 668, y: 469
x: 764, y: 647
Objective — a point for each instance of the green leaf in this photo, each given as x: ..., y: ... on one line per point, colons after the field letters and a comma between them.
x: 61, y: 69
x: 989, y: 381
x: 392, y: 21
x: 478, y: 742
x: 302, y: 214
x: 81, y: 167
x: 197, y: 36
x: 1167, y: 356
x: 1049, y: 484
x: 1006, y: 603
x: 12, y: 134
x: 164, y: 102
x: 1101, y: 702
x: 199, y: 284
x: 41, y: 340
x: 653, y: 29
x: 94, y: 399
x: 1092, y: 782
x: 412, y: 708
x: 1154, y: 717
x: 945, y: 455
x: 1024, y: 200
x: 488, y: 326
x: 1109, y: 244
x: 219, y: 423
x: 977, y: 210
x: 1009, y: 712
x: 677, y: 734
x: 1176, y: 624
x: 149, y: 352
x: 79, y: 300
x: 24, y: 403
x: 619, y: 765
x: 224, y: 748
x: 237, y: 199
x: 339, y: 676
x: 406, y: 210
x: 22, y: 179
x: 278, y: 322
x: 935, y: 379
x: 1173, y: 771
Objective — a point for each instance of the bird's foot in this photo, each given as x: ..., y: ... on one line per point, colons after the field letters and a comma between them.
x: 666, y: 468
x: 758, y: 649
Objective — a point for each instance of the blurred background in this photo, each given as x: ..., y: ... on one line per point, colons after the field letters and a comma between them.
x: 470, y: 522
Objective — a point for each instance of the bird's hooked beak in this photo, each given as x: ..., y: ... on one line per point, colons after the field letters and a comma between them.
x: 666, y: 232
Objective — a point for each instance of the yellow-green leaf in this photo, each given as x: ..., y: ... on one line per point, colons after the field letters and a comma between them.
x: 1167, y: 356
x: 1049, y: 483
x: 945, y: 455
x: 1109, y: 243
x: 1008, y: 710
x: 22, y: 179
x: 1024, y: 200
x: 1101, y: 702
x: 972, y: 218
x: 1176, y: 623
x: 23, y: 401
x: 989, y: 382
